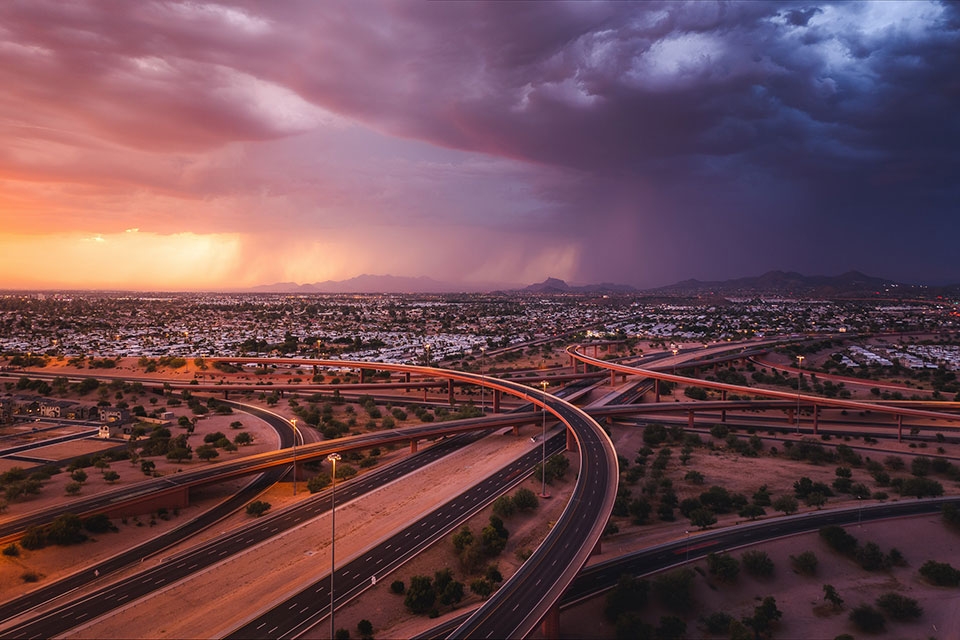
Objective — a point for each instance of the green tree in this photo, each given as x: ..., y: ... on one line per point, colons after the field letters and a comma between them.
x: 752, y: 511
x: 420, y: 596
x: 243, y: 439
x: 816, y: 499
x: 257, y: 508
x: 765, y: 616
x: 318, y: 483
x: 830, y: 595
x: 525, y: 500
x: 179, y: 454
x: 899, y: 607
x: 639, y: 510
x: 34, y: 537
x: 65, y: 530
x: 503, y: 506
x: 725, y: 567
x: 941, y: 574
x: 207, y: 452
x: 786, y: 504
x: 702, y: 518
x: 111, y: 476
x: 838, y: 539
x: 805, y: 563
x: 757, y: 563
x: 79, y: 475
x: 73, y: 488
x: 365, y: 628
x: 870, y: 557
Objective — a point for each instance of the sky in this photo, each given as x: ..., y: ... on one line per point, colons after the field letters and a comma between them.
x: 219, y: 145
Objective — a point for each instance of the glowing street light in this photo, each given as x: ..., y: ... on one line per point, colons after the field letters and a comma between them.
x: 543, y: 443
x: 333, y: 457
x: 799, y: 378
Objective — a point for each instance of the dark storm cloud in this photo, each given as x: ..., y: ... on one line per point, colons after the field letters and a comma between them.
x: 668, y: 139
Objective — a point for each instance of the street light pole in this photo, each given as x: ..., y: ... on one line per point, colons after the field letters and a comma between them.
x: 799, y: 378
x: 543, y: 443
x: 293, y: 422
x: 333, y: 457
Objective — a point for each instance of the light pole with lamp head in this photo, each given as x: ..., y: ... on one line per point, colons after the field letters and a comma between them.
x: 333, y: 457
x: 543, y: 443
x: 799, y: 379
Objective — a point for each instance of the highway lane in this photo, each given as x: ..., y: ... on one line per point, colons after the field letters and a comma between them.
x: 110, y: 501
x: 581, y: 523
x: 104, y: 568
x: 595, y: 579
x: 181, y: 566
x: 523, y: 601
x: 295, y: 615
x: 46, y: 443
x: 605, y: 575
x: 113, y: 564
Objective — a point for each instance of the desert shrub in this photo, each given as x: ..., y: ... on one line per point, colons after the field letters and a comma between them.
x: 899, y: 607
x: 757, y: 563
x: 805, y: 563
x: 867, y: 619
x: 941, y: 574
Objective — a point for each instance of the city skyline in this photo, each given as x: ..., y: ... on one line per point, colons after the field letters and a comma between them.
x: 203, y: 146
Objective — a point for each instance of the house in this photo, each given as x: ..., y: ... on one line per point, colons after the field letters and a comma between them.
x: 113, y: 414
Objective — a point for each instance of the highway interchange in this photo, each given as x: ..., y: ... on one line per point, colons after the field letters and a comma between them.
x: 535, y: 588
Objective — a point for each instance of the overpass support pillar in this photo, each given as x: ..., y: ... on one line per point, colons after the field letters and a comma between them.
x: 613, y: 378
x: 690, y: 419
x: 597, y: 548
x: 360, y: 371
x: 413, y: 446
x: 450, y: 392
x: 226, y: 394
x: 571, y: 441
x: 516, y: 430
x: 406, y: 376
x: 790, y: 416
x: 723, y: 412
x: 816, y: 419
x: 550, y: 627
x: 496, y: 400
x: 656, y: 390
x: 595, y: 351
x: 899, y: 428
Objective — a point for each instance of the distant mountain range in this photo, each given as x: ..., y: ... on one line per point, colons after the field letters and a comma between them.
x: 783, y: 283
x: 373, y: 284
